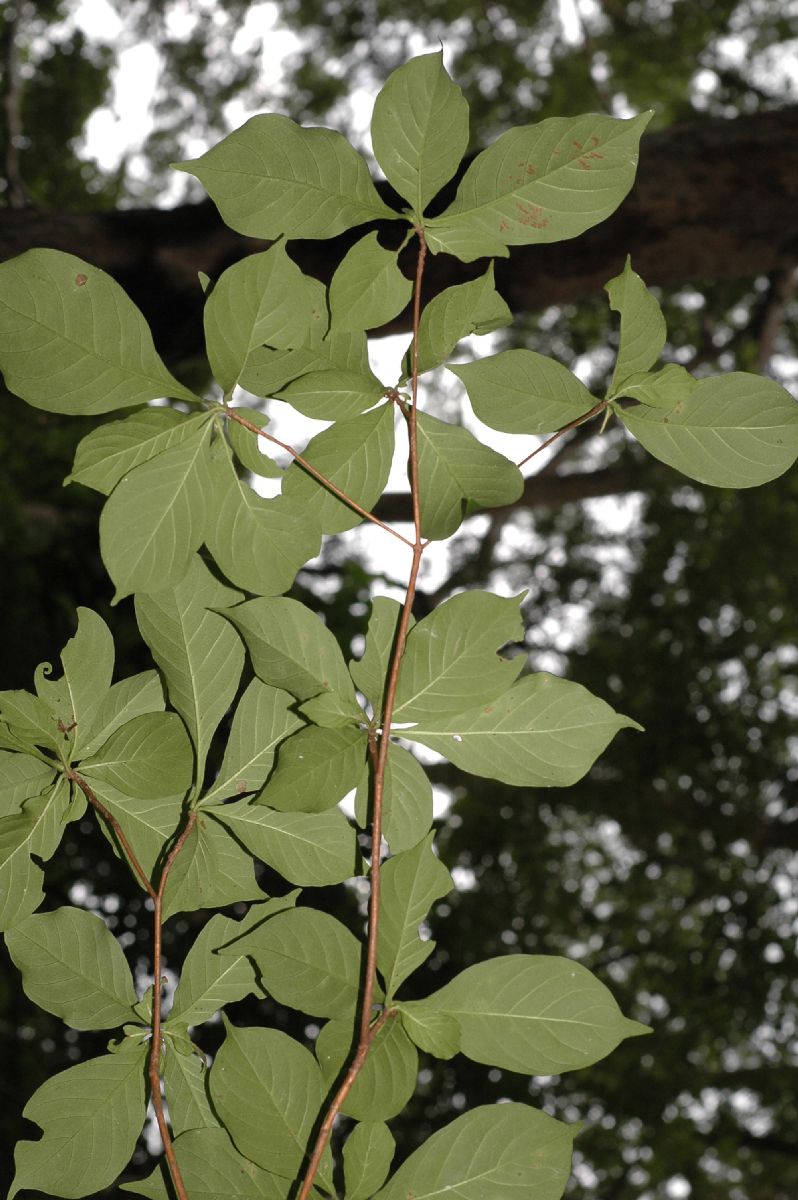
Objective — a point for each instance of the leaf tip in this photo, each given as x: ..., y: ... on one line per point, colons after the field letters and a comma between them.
x: 636, y: 1028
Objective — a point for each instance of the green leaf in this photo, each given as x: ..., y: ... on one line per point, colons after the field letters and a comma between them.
x: 246, y: 446
x: 212, y: 1169
x: 454, y: 468
x: 368, y: 1153
x: 211, y: 871
x: 419, y: 129
x: 268, y: 1091
x: 88, y: 664
x: 72, y: 342
x: 132, y: 697
x: 533, y: 1013
x: 308, y: 961
x: 18, y: 741
x: 520, y: 391
x: 659, y: 389
x: 354, y: 455
x: 148, y: 823
x: 388, y: 1077
x: 315, y: 769
x: 325, y: 710
x: 262, y: 299
x: 230, y: 933
x: 258, y: 544
x: 268, y: 369
x: 197, y: 650
x: 21, y: 777
x: 543, y: 732
x: 371, y: 671
x: 406, y: 800
x: 261, y: 721
x: 411, y: 882
x: 91, y: 1115
x: 456, y: 313
x: 501, y: 1151
x: 73, y: 966
x: 270, y: 177
x: 734, y: 430
x: 333, y: 394
x: 36, y: 830
x: 643, y: 330
x: 434, y: 1032
x: 185, y: 1078
x: 107, y: 454
x: 540, y: 183
x: 149, y: 757
x: 155, y: 518
x: 209, y: 981
x: 451, y: 662
x: 291, y: 648
x: 30, y: 719
x: 368, y: 289
x: 309, y: 849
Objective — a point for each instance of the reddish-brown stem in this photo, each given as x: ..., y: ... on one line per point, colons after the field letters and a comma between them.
x: 353, y: 1070
x: 154, y: 1062
x: 113, y: 824
x: 412, y: 424
x: 593, y: 412
x: 328, y: 483
x: 379, y: 745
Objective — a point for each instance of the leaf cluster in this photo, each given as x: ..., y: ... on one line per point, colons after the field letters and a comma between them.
x: 209, y: 560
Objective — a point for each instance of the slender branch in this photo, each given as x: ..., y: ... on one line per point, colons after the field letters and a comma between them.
x: 593, y: 412
x: 325, y: 1129
x: 328, y: 483
x: 379, y: 746
x: 770, y: 319
x: 412, y: 425
x: 12, y: 103
x: 112, y: 822
x: 154, y: 1062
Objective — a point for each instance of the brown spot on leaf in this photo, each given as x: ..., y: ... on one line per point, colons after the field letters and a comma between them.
x: 578, y: 145
x: 241, y: 787
x: 531, y: 214
x: 81, y: 279
x: 530, y: 170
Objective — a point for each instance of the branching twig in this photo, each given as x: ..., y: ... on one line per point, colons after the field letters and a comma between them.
x: 593, y: 412
x: 113, y: 824
x: 156, y: 895
x: 379, y: 745
x: 303, y: 462
x: 154, y: 1063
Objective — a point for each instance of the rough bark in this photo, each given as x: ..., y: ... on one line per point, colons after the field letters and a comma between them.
x: 717, y: 199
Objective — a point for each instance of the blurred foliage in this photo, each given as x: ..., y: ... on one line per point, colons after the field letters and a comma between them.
x: 671, y: 870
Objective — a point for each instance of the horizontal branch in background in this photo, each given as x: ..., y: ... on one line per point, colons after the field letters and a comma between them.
x: 542, y: 491
x: 715, y: 199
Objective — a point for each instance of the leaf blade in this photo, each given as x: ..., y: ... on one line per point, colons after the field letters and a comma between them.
x: 71, y: 341
x: 419, y: 129
x: 543, y: 732
x: 74, y: 967
x: 270, y: 177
